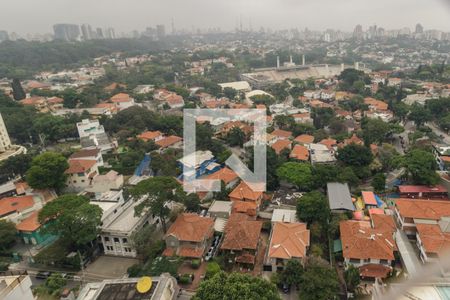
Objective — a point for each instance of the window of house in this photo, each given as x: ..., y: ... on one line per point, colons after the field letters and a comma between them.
x: 116, y: 240
x: 80, y: 174
x: 383, y: 261
x: 125, y: 240
x: 106, y: 239
x: 354, y: 260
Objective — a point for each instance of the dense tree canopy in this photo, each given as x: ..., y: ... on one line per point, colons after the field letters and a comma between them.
x: 421, y: 166
x: 236, y: 286
x: 312, y: 207
x: 72, y: 218
x: 47, y: 171
x: 7, y: 234
x: 355, y: 155
x: 319, y: 281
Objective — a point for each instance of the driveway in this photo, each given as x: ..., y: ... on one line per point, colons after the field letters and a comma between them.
x: 107, y: 267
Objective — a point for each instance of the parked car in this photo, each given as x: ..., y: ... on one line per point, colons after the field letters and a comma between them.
x: 286, y: 288
x: 43, y: 274
x: 209, y: 254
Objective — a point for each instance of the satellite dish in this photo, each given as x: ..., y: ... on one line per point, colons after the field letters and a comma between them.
x: 144, y: 284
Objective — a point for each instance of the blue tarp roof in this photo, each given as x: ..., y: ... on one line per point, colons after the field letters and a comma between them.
x: 379, y: 201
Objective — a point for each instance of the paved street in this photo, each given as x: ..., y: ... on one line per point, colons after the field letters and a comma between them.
x: 444, y: 136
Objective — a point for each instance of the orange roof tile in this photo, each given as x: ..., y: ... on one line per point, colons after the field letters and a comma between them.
x: 121, y: 97
x: 225, y: 174
x: 353, y: 140
x: 433, y: 239
x: 149, y: 135
x: 304, y: 139
x: 241, y: 233
x: 374, y: 271
x: 377, y: 104
x: 280, y: 145
x: 330, y: 143
x: 300, y: 152
x: 191, y: 227
x: 423, y: 209
x: 281, y: 133
x: 9, y: 205
x: 30, y: 223
x: 289, y: 240
x: 248, y: 208
x: 244, y: 192
x: 383, y: 222
x: 79, y: 165
x: 369, y: 198
x: 168, y: 141
x: 361, y: 241
x: 190, y: 252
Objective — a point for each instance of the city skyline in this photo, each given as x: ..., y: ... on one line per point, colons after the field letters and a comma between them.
x: 285, y: 14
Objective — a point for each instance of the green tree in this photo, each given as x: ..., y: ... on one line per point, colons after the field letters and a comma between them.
x: 18, y: 92
x: 160, y: 191
x: 212, y: 268
x: 388, y: 157
x: 299, y: 174
x: 444, y: 123
x: 47, y: 171
x: 72, y: 218
x: 230, y: 93
x: 313, y: 206
x: 236, y: 137
x: 192, y: 202
x: 374, y: 131
x: 379, y: 182
x: 55, y: 283
x: 319, y: 281
x: 352, y: 278
x: 292, y: 274
x: 16, y: 165
x: 7, y: 234
x: 355, y: 155
x: 419, y: 114
x: 421, y: 166
x: 236, y: 286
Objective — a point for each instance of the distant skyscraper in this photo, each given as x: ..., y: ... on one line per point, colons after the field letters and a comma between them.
x: 86, y: 31
x: 419, y: 28
x: 100, y: 34
x: 110, y: 33
x: 358, y: 32
x: 4, y: 35
x: 160, y: 31
x: 5, y: 142
x: 66, y: 32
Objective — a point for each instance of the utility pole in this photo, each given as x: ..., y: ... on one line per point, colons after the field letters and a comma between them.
x: 81, y: 266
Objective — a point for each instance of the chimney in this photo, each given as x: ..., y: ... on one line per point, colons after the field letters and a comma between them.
x: 303, y: 59
x: 278, y: 62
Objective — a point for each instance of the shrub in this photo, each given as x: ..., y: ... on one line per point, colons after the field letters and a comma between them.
x: 195, y: 263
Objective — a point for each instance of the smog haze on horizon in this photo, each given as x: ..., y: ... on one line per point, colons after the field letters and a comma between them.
x: 39, y: 16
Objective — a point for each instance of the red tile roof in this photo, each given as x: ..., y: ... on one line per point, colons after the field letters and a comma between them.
x: 330, y: 143
x: 248, y: 208
x: 30, y: 223
x: 421, y: 189
x: 423, y: 209
x: 304, y: 139
x: 241, y: 233
x: 244, y: 192
x: 361, y: 241
x: 168, y: 141
x: 374, y: 271
x: 79, y: 165
x: 191, y: 227
x: 289, y: 240
x: 433, y: 239
x: 383, y: 222
x: 9, y: 205
x: 280, y: 145
x: 300, y: 152
x: 369, y: 198
x: 121, y: 97
x: 281, y: 133
x: 225, y: 174
x: 149, y: 135
x: 190, y: 252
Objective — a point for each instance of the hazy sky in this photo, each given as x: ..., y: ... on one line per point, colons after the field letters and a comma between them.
x: 30, y: 16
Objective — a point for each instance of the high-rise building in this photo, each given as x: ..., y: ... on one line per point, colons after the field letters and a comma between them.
x: 66, y: 32
x: 160, y: 31
x: 100, y: 34
x: 110, y: 33
x: 4, y: 36
x: 86, y: 31
x: 419, y: 28
x: 358, y: 32
x: 5, y: 142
